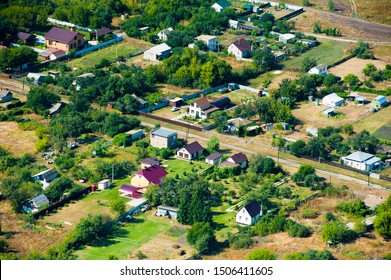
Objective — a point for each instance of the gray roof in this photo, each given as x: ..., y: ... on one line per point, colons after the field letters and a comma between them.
x: 163, y: 132
x: 38, y: 200
x: 359, y: 156
x: 169, y: 208
x: 47, y: 175
x: 213, y: 156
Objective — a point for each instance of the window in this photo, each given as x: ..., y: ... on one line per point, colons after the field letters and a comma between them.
x: 244, y: 211
x: 246, y: 219
x: 240, y: 217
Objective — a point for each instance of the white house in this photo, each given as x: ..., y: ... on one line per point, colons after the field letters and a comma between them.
x: 221, y: 5
x: 45, y: 177
x: 209, y: 40
x: 158, y: 52
x: 5, y: 95
x: 286, y: 38
x: 167, y: 211
x: 321, y: 69
x: 190, y: 151
x: 249, y: 214
x: 333, y: 100
x: 104, y: 184
x: 213, y: 158
x: 234, y: 24
x: 239, y: 159
x: 240, y: 49
x: 362, y: 161
x: 201, y: 108
x: 162, y: 35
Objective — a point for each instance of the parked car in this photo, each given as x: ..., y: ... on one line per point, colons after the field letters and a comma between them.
x: 174, y: 109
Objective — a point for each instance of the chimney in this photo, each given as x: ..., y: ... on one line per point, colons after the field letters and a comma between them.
x: 73, y: 28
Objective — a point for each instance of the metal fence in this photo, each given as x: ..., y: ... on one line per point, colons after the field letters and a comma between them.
x: 189, y: 126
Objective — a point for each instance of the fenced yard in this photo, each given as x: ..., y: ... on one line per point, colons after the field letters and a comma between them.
x: 178, y: 166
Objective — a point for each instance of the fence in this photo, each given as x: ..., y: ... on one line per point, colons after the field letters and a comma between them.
x: 341, y: 61
x: 155, y: 107
x: 99, y: 46
x: 189, y: 126
x: 292, y: 15
x: 68, y: 24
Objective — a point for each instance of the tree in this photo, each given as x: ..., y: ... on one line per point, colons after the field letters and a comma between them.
x: 297, y: 148
x: 279, y: 142
x: 330, y: 5
x: 262, y: 254
x: 348, y: 129
x: 57, y: 188
x: 153, y: 195
x: 382, y: 224
x: 39, y: 99
x: 263, y: 59
x: 8, y: 31
x: 16, y: 57
x: 306, y: 3
x: 118, y: 206
x: 330, y: 80
x: 369, y: 69
x: 201, y: 236
x: 310, y: 255
x: 213, y: 144
x: 317, y: 28
x: 308, y: 63
x: 336, y: 233
x: 220, y: 120
x: 127, y: 104
x: 351, y: 80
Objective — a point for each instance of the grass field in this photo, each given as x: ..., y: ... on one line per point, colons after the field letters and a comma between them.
x: 16, y: 141
x: 384, y: 132
x: 374, y: 121
x: 327, y: 53
x: 178, y: 166
x: 125, y: 241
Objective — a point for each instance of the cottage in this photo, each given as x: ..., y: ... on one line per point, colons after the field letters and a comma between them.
x: 309, y: 43
x: 239, y: 159
x: 35, y: 203
x: 167, y: 211
x: 130, y: 191
x: 158, y: 52
x: 152, y: 175
x: 221, y: 5
x: 37, y: 78
x: 279, y: 55
x: 210, y: 41
x: 329, y: 112
x: 286, y: 38
x: 234, y: 24
x: 63, y: 39
x: 190, y: 151
x: 213, y: 158
x: 321, y: 69
x: 104, y: 184
x: 26, y: 38
x: 240, y: 49
x: 162, y: 35
x: 202, y: 108
x: 55, y: 109
x: 164, y: 138
x: 148, y: 162
x: 362, y: 161
x: 135, y: 134
x: 233, y: 125
x: 379, y: 101
x: 45, y: 177
x: 333, y: 100
x: 249, y: 214
x: 101, y: 33
x: 5, y: 95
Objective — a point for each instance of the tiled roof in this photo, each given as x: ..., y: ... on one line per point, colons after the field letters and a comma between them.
x: 242, y: 45
x: 213, y: 156
x: 60, y: 35
x: 203, y: 102
x: 193, y: 147
x: 239, y: 158
x: 103, y: 31
x: 153, y: 173
x: 128, y: 188
x: 150, y: 161
x: 24, y: 36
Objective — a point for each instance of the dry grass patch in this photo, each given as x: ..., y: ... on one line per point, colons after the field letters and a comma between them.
x: 16, y: 141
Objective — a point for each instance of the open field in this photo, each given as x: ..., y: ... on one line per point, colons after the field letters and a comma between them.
x: 384, y: 132
x: 276, y: 76
x: 16, y: 141
x: 382, y: 52
x: 355, y: 66
x: 326, y: 53
x: 374, y: 121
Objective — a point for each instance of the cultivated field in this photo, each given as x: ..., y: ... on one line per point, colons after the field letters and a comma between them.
x: 384, y: 132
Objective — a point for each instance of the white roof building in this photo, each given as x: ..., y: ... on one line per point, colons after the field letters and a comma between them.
x: 332, y: 100
x: 158, y: 52
x: 209, y: 40
x: 321, y: 69
x: 286, y: 38
x: 162, y: 35
x: 362, y: 161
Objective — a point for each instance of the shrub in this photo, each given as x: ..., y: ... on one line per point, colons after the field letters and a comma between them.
x: 329, y: 216
x: 262, y: 254
x: 356, y: 208
x: 269, y: 224
x: 240, y: 241
x: 308, y: 213
x: 140, y: 255
x: 382, y: 224
x: 310, y: 255
x: 336, y: 233
x: 297, y: 230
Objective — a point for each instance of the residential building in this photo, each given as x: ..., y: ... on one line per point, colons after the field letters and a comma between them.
x: 63, y: 39
x: 221, y: 5
x: 247, y: 7
x: 56, y: 54
x: 333, y: 100
x: 379, y: 101
x: 143, y: 104
x: 37, y: 78
x: 202, y: 108
x: 164, y: 138
x: 148, y: 162
x: 286, y: 38
x: 279, y: 55
x: 45, y: 177
x: 26, y: 38
x: 362, y: 161
x: 158, y: 52
x: 239, y: 159
x: 35, y: 203
x: 234, y: 24
x: 249, y: 214
x: 321, y: 69
x: 222, y: 102
x: 152, y: 175
x: 233, y: 125
x: 190, y: 151
x: 162, y: 35
x: 213, y: 158
x: 240, y: 49
x: 5, y: 95
x: 167, y: 211
x: 209, y: 40
x: 104, y: 184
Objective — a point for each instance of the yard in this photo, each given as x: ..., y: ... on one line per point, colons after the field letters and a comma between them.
x: 177, y: 166
x: 374, y: 121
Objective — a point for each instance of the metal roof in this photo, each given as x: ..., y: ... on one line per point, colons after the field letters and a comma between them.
x: 163, y: 132
x: 214, y: 156
x: 160, y: 48
x: 359, y: 156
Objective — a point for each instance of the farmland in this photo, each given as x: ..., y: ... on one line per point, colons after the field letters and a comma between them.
x: 384, y: 132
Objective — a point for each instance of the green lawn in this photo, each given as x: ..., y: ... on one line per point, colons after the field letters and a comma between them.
x: 384, y: 132
x: 177, y: 166
x: 327, y: 53
x: 126, y: 240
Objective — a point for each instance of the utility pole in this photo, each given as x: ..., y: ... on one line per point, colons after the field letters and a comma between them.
x: 112, y: 173
x: 369, y: 175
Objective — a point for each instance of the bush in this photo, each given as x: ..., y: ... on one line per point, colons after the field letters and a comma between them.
x: 262, y: 254
x: 356, y: 208
x: 329, y: 216
x: 297, y: 230
x: 41, y: 144
x: 240, y: 241
x: 269, y: 224
x: 122, y: 140
x: 310, y: 255
x: 382, y: 224
x: 336, y: 233
x: 308, y: 213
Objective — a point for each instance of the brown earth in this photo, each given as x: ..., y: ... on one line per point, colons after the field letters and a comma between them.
x: 355, y: 66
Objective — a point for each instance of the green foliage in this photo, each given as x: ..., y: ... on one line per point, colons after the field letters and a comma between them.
x: 57, y: 188
x: 269, y: 224
x: 65, y: 161
x: 262, y: 254
x: 329, y: 216
x: 317, y: 28
x: 295, y: 229
x: 201, y: 236
x: 118, y: 206
x: 297, y: 148
x: 39, y: 99
x: 336, y: 233
x: 263, y: 165
x: 127, y: 104
x: 382, y: 224
x: 356, y: 208
x: 351, y: 80
x: 3, y: 245
x: 213, y: 144
x: 308, y: 63
x: 122, y: 140
x: 140, y: 255
x: 41, y: 144
x: 14, y: 57
x: 347, y: 129
x: 330, y: 5
x: 309, y: 213
x: 240, y: 241
x: 362, y: 51
x: 310, y: 255
x: 263, y: 60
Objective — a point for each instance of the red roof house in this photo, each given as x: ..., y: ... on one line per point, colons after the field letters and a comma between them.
x: 152, y: 175
x: 190, y: 151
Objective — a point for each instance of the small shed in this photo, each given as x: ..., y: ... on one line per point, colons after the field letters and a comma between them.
x: 104, y: 184
x: 5, y: 95
x: 213, y: 158
x: 136, y: 134
x: 35, y: 203
x: 167, y: 211
x: 176, y: 102
x: 329, y: 112
x: 379, y: 101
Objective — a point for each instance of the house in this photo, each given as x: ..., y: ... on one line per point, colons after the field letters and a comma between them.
x: 164, y: 138
x: 234, y: 24
x: 45, y: 177
x: 167, y: 211
x: 329, y: 112
x: 149, y: 161
x: 333, y: 100
x: 267, y: 126
x: 35, y: 203
x: 162, y: 35
x: 312, y: 131
x: 5, y: 95
x: 362, y: 161
x: 104, y: 184
x: 213, y: 158
x: 221, y: 103
x: 239, y: 159
x: 284, y: 125
x: 130, y: 191
x: 286, y: 38
x: 209, y: 40
x: 55, y: 109
x: 321, y: 69
x: 37, y: 78
x: 240, y: 49
x: 82, y: 76
x: 279, y: 55
x: 190, y: 151
x: 2, y: 47
x: 221, y: 5
x: 202, y: 108
x: 99, y: 35
x: 152, y: 175
x: 158, y: 52
x: 247, y: 7
x: 249, y: 214
x: 309, y: 43
x: 63, y: 39
x: 26, y: 38
x: 135, y: 134
x: 234, y: 124
x: 379, y: 101
x: 176, y: 102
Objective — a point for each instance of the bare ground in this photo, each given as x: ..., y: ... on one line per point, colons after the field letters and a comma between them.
x: 355, y: 66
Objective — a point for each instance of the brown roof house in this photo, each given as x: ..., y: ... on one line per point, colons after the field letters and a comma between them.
x: 26, y: 38
x: 99, y: 34
x: 152, y: 175
x: 240, y: 49
x: 239, y: 159
x: 213, y: 158
x: 202, y: 108
x: 63, y: 39
x: 190, y: 151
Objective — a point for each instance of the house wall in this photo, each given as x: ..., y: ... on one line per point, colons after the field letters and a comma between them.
x: 196, y: 111
x: 232, y: 49
x: 75, y: 43
x: 355, y: 164
x: 150, y: 55
x: 139, y: 181
x: 182, y: 153
x: 212, y: 161
x: 217, y: 7
x: 243, y: 217
x: 103, y: 186
x: 163, y: 142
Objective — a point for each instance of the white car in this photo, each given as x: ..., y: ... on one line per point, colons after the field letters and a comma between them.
x: 174, y: 109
